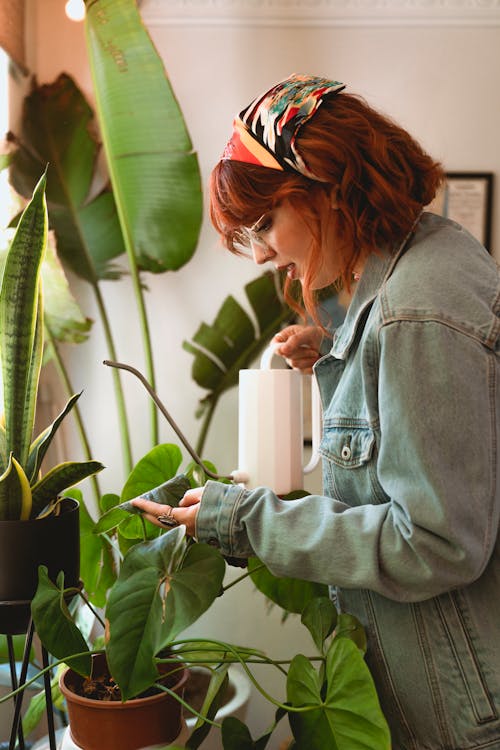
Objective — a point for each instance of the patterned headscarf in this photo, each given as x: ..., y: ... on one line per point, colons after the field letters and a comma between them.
x: 265, y: 132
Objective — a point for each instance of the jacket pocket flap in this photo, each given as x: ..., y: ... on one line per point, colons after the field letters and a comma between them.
x: 349, y: 447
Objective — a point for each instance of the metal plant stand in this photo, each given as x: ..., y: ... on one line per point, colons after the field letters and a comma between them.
x: 13, y: 622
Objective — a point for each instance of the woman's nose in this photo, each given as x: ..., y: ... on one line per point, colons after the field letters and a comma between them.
x: 261, y: 253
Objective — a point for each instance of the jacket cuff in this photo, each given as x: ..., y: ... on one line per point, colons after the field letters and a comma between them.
x: 215, y: 519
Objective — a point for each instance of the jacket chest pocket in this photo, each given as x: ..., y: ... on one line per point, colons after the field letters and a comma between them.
x: 349, y: 464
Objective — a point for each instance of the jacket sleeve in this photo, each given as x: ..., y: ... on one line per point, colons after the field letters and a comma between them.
x: 437, y: 464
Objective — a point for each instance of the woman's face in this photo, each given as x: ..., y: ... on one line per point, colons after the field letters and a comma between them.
x: 283, y: 237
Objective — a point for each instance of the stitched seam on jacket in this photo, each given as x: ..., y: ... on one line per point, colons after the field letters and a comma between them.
x: 432, y: 680
x: 473, y: 657
x: 488, y: 341
x: 386, y: 675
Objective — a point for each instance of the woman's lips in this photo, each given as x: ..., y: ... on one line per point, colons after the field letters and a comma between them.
x: 290, y: 269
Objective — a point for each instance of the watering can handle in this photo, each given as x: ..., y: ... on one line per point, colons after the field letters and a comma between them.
x: 265, y: 364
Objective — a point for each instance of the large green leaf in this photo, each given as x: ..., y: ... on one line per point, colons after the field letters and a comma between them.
x: 153, y: 169
x: 21, y: 324
x: 349, y: 716
x: 57, y: 130
x: 232, y: 342
x: 157, y: 469
x: 54, y: 624
x: 292, y: 594
x: 160, y: 591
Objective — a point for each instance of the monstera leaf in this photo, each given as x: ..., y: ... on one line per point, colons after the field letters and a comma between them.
x: 232, y: 341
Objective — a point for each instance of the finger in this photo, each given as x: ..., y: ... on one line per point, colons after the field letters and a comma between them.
x: 149, y: 506
x: 191, y: 497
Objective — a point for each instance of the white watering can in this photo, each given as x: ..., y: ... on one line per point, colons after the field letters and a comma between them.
x: 271, y: 427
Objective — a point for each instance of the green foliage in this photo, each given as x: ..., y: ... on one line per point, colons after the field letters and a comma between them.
x: 148, y: 149
x: 23, y: 493
x: 232, y: 342
x: 57, y: 129
x: 343, y: 712
x: 292, y: 594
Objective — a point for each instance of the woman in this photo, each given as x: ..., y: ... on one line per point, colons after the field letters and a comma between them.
x: 332, y: 193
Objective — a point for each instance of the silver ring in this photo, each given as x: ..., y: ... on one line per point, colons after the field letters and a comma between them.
x: 167, y: 519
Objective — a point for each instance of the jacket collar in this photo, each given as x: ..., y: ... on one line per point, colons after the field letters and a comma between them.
x: 377, y: 270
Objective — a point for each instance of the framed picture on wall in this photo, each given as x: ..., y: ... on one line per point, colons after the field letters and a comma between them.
x: 466, y: 197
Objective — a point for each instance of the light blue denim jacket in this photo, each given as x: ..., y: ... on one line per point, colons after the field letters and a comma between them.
x: 407, y: 528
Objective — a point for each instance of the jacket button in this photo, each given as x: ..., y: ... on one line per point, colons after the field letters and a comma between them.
x: 346, y: 453
x: 213, y: 542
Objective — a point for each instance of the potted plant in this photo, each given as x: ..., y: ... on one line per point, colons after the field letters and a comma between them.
x: 165, y: 582
x: 37, y: 525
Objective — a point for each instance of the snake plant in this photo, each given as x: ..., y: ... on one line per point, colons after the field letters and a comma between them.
x: 24, y: 492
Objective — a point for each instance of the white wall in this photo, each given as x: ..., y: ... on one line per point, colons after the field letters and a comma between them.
x: 435, y: 72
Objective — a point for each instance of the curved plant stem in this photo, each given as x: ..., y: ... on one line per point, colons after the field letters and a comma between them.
x: 64, y: 377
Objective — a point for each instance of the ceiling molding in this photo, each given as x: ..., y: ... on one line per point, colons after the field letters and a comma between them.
x: 285, y: 13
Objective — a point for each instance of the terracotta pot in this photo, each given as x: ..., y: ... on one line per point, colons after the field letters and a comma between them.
x: 24, y: 545
x: 113, y: 725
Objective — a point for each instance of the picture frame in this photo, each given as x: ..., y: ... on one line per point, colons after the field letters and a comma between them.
x: 467, y: 197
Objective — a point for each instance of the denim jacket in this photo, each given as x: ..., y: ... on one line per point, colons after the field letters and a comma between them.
x: 406, y: 530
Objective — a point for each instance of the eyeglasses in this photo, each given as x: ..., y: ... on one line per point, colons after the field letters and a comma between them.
x: 245, y: 237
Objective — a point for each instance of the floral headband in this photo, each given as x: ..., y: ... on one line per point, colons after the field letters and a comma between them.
x: 265, y: 132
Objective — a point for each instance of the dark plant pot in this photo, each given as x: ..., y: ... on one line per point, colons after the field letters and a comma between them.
x: 137, y: 723
x: 53, y: 541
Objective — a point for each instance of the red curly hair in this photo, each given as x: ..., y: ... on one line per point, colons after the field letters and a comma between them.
x: 378, y: 175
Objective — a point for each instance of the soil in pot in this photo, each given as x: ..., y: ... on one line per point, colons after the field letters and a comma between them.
x: 97, y: 724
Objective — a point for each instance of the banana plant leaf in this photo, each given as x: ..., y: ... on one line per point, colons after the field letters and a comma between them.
x: 232, y: 341
x: 63, y: 316
x: 154, y: 171
x: 57, y: 128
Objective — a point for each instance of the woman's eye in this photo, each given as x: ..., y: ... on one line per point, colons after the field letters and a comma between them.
x: 264, y: 225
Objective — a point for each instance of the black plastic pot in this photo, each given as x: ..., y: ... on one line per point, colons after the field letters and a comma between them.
x: 53, y: 541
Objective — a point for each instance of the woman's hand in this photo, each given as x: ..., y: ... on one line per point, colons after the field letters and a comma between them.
x: 299, y: 345
x: 184, y: 514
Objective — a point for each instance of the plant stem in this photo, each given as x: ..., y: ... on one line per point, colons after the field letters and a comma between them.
x: 243, y: 661
x: 120, y: 399
x: 200, y: 445
x: 64, y: 377
x: 242, y: 577
x: 146, y: 339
